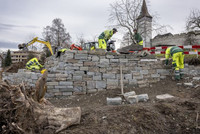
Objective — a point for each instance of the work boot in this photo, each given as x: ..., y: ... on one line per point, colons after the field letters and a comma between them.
x: 177, y: 77
x: 181, y: 76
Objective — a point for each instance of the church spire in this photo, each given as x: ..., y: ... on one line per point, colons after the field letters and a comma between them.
x: 144, y: 11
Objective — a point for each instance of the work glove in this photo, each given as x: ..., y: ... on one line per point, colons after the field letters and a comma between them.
x: 166, y: 62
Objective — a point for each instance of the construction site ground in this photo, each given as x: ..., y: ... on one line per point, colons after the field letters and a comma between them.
x: 177, y: 115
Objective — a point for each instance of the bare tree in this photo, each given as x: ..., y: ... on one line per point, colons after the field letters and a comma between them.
x: 190, y: 38
x: 124, y: 14
x: 80, y: 39
x: 94, y: 38
x: 193, y: 21
x: 56, y: 34
x: 47, y: 34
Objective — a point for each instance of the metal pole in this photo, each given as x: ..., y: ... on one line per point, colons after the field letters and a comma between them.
x: 122, y: 86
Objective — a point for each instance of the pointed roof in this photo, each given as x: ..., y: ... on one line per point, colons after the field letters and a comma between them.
x: 144, y: 11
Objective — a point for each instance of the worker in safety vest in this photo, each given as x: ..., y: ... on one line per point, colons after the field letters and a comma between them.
x: 61, y: 51
x: 178, y: 60
x: 33, y: 64
x: 138, y: 40
x: 104, y: 37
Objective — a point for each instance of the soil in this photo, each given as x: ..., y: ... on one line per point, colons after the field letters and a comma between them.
x: 173, y: 116
x: 15, y: 66
x: 194, y: 61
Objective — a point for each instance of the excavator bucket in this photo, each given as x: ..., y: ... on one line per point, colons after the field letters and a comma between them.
x: 22, y: 46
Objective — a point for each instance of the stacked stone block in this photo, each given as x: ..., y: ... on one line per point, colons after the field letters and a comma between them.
x: 24, y: 76
x: 81, y: 72
x: 94, y: 71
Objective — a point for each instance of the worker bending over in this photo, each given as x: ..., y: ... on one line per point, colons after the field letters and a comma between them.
x: 138, y: 40
x: 178, y: 60
x: 33, y: 64
x: 104, y: 37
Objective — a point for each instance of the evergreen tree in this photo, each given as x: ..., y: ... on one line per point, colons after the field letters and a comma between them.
x: 8, y: 60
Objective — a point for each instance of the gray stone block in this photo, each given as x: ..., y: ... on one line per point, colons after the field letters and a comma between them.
x: 61, y: 75
x: 34, y: 76
x: 51, y: 75
x: 78, y: 89
x: 104, y: 61
x: 109, y: 76
x: 114, y: 60
x: 83, y: 68
x: 163, y: 71
x: 55, y: 90
x: 138, y: 77
x: 163, y: 77
x: 61, y: 87
x: 79, y: 83
x: 132, y: 93
x: 123, y: 60
x: 78, y: 65
x: 27, y: 75
x: 114, y: 101
x: 91, y: 84
x: 91, y: 91
x: 144, y: 71
x: 196, y: 78
x: 90, y: 73
x: 67, y: 89
x: 100, y: 84
x: 142, y: 97
x: 109, y: 56
x: 132, y: 99
x: 155, y: 75
x: 77, y: 77
x: 188, y: 84
x: 65, y: 83
x: 95, y: 58
x: 50, y: 87
x: 132, y: 82
x: 97, y: 77
x: 21, y: 70
x: 112, y: 82
x: 128, y: 76
x: 88, y: 63
x: 83, y: 52
x: 79, y: 72
x: 52, y: 83
x: 66, y: 93
x: 81, y: 56
x: 164, y: 97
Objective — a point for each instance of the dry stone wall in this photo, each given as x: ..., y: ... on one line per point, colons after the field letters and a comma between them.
x: 81, y: 72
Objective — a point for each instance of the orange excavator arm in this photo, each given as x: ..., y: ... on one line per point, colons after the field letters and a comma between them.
x: 74, y: 47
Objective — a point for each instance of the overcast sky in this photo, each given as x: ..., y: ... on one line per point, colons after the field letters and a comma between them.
x: 21, y: 20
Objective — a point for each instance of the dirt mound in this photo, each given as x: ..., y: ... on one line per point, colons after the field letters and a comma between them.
x: 178, y: 115
x: 15, y: 66
x: 194, y: 61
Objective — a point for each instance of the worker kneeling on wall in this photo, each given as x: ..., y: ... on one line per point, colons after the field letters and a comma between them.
x: 178, y: 60
x: 33, y: 64
x: 61, y: 51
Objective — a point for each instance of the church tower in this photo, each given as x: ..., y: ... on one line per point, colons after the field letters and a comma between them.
x: 144, y: 25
